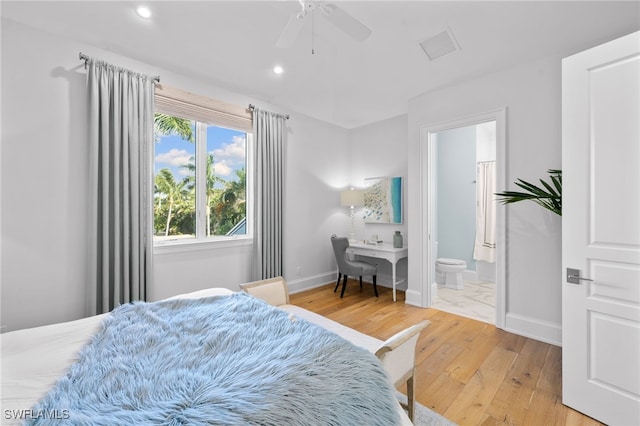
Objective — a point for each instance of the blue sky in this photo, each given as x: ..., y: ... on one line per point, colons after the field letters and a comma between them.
x: 227, y: 146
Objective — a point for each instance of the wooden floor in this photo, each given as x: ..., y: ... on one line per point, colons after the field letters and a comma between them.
x: 468, y: 371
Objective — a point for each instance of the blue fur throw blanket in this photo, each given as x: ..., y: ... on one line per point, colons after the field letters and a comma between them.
x: 224, y: 360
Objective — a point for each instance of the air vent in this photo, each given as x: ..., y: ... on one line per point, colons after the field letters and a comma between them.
x: 440, y: 45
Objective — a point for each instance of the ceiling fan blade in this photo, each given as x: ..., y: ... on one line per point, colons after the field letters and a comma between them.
x: 291, y: 31
x: 346, y: 22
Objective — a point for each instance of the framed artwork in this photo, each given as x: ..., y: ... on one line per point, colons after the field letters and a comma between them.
x: 383, y: 200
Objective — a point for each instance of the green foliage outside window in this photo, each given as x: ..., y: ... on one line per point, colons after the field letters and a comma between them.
x: 174, y: 199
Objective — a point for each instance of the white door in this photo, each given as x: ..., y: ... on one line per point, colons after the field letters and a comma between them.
x: 601, y: 231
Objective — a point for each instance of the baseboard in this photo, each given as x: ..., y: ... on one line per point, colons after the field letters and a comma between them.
x: 313, y: 281
x: 413, y: 298
x: 534, y: 328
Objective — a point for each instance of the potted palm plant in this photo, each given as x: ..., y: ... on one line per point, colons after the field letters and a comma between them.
x: 549, y: 195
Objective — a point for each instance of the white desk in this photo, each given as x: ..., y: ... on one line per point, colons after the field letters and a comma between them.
x: 384, y: 251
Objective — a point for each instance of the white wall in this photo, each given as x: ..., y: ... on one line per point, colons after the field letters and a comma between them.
x: 44, y: 181
x: 486, y: 141
x: 44, y: 188
x: 317, y: 169
x: 380, y: 149
x: 531, y: 94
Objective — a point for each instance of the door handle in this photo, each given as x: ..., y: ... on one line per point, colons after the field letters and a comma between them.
x: 573, y: 276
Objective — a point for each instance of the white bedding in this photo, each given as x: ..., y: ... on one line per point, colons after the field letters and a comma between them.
x: 33, y: 359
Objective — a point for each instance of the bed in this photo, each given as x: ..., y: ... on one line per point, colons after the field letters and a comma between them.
x: 69, y: 373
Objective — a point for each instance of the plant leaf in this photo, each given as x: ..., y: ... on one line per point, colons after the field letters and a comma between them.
x: 552, y: 193
x: 531, y: 188
x: 549, y: 196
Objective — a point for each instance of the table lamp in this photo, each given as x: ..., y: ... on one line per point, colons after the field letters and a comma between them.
x: 352, y: 198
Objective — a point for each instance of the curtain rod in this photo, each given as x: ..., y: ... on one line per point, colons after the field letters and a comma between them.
x: 252, y: 107
x: 85, y: 58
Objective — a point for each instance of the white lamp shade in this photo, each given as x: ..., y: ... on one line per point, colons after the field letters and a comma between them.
x: 352, y: 197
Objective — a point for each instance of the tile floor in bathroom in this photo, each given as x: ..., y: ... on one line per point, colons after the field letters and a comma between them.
x: 477, y: 301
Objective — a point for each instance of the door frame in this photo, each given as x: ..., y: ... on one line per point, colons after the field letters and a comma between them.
x: 426, y: 202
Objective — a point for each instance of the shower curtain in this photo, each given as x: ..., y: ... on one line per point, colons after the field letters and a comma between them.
x: 485, y: 244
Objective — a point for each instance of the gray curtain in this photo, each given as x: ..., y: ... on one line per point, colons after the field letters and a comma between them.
x: 121, y: 149
x: 269, y: 133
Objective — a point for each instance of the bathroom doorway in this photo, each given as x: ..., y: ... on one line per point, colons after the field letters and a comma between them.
x: 463, y: 161
x: 463, y: 221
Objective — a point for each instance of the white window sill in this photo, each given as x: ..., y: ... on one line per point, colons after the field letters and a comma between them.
x: 183, y: 246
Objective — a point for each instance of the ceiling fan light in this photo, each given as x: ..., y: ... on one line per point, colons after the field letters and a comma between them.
x: 332, y: 13
x: 278, y: 69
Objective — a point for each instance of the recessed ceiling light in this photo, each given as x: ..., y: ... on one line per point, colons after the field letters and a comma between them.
x: 278, y: 69
x: 143, y: 12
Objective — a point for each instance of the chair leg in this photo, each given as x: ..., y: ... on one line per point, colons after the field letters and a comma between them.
x: 360, y: 282
x: 344, y: 285
x: 338, y: 282
x: 410, y: 397
x: 375, y: 286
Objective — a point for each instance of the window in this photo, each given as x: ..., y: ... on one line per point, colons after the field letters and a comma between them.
x: 201, y: 164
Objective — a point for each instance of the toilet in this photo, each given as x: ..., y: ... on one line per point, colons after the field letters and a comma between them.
x: 449, y: 272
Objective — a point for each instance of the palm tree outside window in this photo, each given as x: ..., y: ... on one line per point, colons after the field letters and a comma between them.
x: 200, y: 180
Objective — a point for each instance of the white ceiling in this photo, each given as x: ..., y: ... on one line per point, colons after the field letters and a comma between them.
x: 232, y: 45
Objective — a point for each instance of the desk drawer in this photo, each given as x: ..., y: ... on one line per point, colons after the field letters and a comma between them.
x: 364, y: 252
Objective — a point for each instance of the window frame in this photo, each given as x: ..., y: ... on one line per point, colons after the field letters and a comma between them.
x: 207, y: 112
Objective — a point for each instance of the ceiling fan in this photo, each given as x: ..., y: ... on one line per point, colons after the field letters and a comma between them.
x: 338, y: 17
